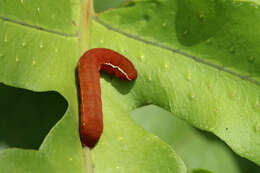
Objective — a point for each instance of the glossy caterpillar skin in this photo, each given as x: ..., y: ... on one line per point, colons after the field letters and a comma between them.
x: 89, y: 65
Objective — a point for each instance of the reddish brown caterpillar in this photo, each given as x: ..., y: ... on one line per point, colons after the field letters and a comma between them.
x: 89, y: 65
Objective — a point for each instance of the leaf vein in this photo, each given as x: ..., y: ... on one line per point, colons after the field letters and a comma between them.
x: 38, y: 27
x: 185, y: 54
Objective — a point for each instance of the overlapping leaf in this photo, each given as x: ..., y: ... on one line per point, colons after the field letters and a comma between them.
x: 199, y: 60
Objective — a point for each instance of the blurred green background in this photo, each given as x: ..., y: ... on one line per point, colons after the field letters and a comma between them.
x: 101, y: 5
x: 27, y: 117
